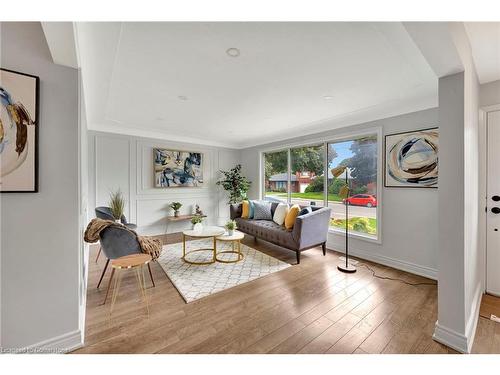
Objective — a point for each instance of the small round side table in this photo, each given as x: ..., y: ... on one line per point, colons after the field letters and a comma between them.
x: 235, y: 239
x: 135, y: 262
x: 205, y: 232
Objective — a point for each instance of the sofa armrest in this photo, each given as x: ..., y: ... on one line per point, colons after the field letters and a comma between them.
x: 312, y: 229
x: 235, y: 210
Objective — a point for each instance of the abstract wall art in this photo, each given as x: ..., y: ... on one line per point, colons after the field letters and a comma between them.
x: 411, y: 159
x: 18, y: 132
x: 177, y: 168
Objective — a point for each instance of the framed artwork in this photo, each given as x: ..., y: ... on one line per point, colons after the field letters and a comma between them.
x: 177, y: 168
x: 18, y: 132
x: 411, y: 159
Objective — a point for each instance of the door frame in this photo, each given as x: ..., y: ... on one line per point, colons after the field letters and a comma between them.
x: 483, y: 175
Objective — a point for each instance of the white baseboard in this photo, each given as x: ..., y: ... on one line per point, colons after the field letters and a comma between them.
x: 458, y: 341
x: 58, y: 345
x: 416, y: 269
x: 450, y: 338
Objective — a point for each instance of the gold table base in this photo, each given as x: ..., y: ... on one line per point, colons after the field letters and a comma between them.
x: 214, y: 251
x: 185, y: 253
x: 240, y: 255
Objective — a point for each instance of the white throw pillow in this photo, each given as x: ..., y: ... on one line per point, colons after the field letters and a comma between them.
x: 280, y: 213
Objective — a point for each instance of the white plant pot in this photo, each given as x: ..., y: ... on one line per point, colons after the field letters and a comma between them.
x: 198, y: 227
x: 118, y: 221
x: 230, y: 232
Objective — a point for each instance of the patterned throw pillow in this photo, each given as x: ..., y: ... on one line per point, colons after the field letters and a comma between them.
x: 291, y: 216
x: 280, y: 213
x: 262, y: 210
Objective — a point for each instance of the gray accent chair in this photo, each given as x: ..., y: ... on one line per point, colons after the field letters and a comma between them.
x: 310, y: 230
x: 105, y: 214
x: 117, y: 242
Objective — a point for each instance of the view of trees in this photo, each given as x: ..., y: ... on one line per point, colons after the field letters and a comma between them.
x: 309, y: 158
x: 363, y: 163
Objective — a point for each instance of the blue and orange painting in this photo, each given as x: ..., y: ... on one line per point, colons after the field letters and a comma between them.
x: 177, y: 168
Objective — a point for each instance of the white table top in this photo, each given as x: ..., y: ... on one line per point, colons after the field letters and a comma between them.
x: 210, y: 231
x: 235, y: 237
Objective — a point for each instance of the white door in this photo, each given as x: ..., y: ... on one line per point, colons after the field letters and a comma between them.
x: 493, y: 206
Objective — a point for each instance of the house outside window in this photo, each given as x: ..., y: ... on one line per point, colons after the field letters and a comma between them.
x: 298, y: 175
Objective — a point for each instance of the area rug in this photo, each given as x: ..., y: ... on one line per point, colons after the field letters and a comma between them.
x: 197, y: 281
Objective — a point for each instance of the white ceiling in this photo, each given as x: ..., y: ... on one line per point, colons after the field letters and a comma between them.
x: 484, y: 38
x: 136, y: 75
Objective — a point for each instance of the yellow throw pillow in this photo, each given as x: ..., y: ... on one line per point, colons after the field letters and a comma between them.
x: 292, y: 214
x: 245, y: 209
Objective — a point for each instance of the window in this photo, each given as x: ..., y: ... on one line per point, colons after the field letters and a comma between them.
x: 360, y: 157
x: 302, y: 175
x: 307, y: 175
x: 276, y: 176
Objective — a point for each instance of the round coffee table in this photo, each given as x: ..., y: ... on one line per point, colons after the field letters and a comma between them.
x: 235, y: 238
x: 205, y: 232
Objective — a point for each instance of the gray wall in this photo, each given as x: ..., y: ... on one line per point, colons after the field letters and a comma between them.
x: 409, y: 215
x: 489, y: 93
x: 39, y: 234
x: 126, y: 162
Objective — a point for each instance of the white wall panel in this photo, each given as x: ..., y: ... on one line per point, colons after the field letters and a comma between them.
x: 111, y: 169
x: 127, y: 162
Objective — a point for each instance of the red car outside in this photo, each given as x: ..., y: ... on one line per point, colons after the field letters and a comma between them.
x: 366, y: 200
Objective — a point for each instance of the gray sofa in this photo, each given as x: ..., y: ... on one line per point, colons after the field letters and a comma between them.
x: 310, y: 230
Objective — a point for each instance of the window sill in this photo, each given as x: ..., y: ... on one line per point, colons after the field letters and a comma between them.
x: 356, y: 235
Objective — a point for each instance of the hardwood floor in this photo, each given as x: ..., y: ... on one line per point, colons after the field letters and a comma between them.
x: 307, y: 308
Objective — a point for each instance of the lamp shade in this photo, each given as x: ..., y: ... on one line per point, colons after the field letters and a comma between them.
x: 344, y: 192
x: 338, y: 171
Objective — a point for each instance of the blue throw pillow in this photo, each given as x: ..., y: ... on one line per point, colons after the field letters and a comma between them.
x: 251, y: 209
x: 305, y: 211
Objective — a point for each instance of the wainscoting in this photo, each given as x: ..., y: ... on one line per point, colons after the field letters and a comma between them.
x: 126, y: 163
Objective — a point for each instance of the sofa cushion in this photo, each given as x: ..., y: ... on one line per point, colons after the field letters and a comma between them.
x: 273, y: 207
x: 280, y: 213
x: 251, y: 209
x: 262, y: 210
x: 245, y: 209
x: 291, y: 216
x: 268, y: 231
x: 305, y: 211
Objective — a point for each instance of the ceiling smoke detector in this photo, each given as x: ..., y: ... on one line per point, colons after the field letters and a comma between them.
x: 233, y: 52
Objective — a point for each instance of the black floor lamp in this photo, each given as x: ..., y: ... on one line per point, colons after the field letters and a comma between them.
x: 344, y: 193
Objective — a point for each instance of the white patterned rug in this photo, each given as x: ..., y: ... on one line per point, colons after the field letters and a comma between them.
x: 197, y: 281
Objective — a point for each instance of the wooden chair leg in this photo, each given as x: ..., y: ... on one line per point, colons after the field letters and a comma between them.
x: 109, y: 285
x: 151, y: 275
x: 324, y: 248
x: 103, y: 272
x: 98, y: 253
x: 298, y: 256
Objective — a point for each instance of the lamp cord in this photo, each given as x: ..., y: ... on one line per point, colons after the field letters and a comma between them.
x: 394, y: 279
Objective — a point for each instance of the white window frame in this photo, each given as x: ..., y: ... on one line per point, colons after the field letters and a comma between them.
x: 341, y: 136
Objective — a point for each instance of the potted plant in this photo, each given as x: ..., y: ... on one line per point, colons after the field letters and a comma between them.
x: 116, y: 205
x: 176, y: 206
x: 236, y: 184
x: 230, y: 226
x: 196, y: 221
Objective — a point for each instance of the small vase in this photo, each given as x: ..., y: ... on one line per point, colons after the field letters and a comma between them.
x: 198, y: 227
x: 176, y: 213
x: 118, y: 221
x: 230, y: 232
